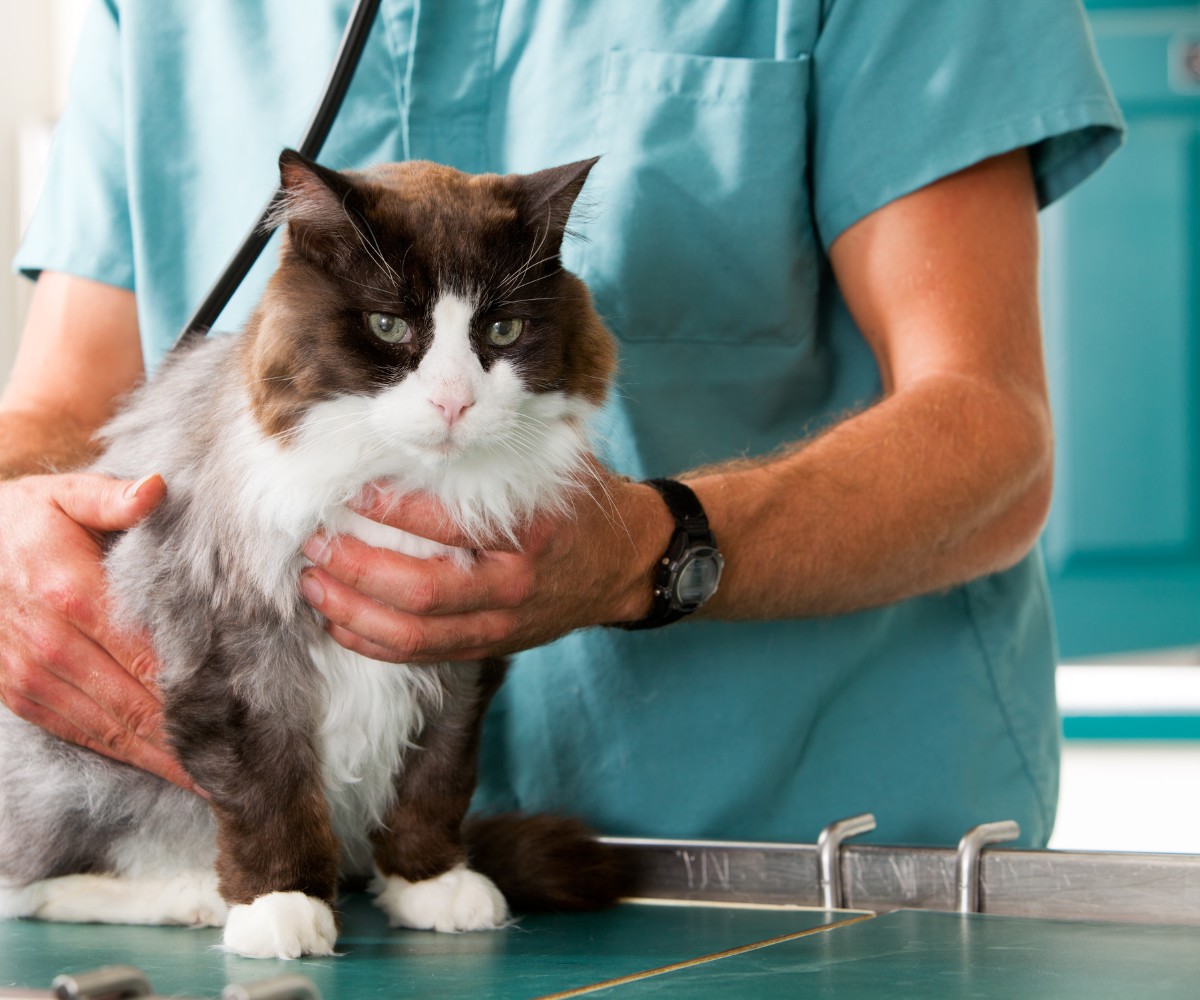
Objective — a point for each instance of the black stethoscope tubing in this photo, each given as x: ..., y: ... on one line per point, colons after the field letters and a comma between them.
x: 349, y: 52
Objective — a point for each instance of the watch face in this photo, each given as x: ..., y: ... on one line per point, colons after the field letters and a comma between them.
x: 697, y: 578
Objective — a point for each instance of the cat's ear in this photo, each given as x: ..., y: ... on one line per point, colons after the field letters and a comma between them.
x: 550, y: 195
x: 319, y: 207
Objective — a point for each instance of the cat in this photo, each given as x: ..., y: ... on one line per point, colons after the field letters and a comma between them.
x: 420, y: 332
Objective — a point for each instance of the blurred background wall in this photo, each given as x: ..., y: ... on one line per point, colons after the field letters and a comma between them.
x: 37, y: 42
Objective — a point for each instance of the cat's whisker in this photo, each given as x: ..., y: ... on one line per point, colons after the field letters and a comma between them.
x: 612, y: 513
x: 370, y: 288
x: 518, y: 302
x: 270, y: 378
x: 537, y: 249
x: 509, y: 287
x: 375, y: 252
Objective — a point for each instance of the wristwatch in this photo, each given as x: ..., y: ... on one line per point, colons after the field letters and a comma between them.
x: 690, y: 570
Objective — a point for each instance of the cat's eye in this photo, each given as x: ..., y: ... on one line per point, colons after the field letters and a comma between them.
x: 505, y: 331
x: 388, y: 328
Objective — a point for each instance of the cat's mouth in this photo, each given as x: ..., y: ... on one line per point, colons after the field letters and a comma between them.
x: 445, y: 447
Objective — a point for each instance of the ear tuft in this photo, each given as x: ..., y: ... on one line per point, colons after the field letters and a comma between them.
x: 318, y: 206
x: 550, y: 194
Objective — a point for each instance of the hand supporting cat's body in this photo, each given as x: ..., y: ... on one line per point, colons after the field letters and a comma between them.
x: 420, y: 332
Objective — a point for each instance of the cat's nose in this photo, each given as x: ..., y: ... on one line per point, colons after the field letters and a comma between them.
x: 452, y: 404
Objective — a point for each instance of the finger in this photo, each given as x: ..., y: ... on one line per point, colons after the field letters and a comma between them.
x: 81, y: 599
x: 105, y: 504
x: 359, y: 645
x: 408, y: 637
x: 70, y: 715
x: 417, y: 513
x: 422, y: 586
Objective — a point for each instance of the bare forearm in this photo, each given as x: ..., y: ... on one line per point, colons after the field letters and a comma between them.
x: 942, y: 483
x: 32, y: 442
x: 79, y: 354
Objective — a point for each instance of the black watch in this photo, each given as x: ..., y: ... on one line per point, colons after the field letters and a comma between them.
x: 688, y: 574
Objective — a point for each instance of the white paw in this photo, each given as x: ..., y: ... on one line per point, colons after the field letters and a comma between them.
x: 457, y: 900
x: 193, y: 900
x: 280, y: 925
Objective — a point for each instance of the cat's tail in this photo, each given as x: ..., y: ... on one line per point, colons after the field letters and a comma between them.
x: 543, y: 862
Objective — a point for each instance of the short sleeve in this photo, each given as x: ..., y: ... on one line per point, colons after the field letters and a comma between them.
x: 81, y: 224
x: 909, y: 91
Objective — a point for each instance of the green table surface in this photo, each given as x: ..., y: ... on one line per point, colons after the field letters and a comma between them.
x: 539, y: 956
x: 944, y: 955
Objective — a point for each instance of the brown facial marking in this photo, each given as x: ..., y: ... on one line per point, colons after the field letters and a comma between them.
x: 393, y: 239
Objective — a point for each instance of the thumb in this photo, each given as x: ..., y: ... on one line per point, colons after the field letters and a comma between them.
x: 105, y: 504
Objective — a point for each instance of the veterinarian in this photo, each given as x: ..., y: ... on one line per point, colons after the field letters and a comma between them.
x: 813, y: 231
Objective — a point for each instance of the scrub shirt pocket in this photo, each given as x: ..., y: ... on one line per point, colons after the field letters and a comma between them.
x: 701, y: 223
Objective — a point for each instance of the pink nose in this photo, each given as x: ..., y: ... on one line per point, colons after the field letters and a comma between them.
x: 453, y: 406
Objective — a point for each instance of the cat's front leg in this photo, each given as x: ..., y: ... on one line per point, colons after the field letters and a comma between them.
x: 277, y: 870
x: 277, y: 856
x: 424, y: 880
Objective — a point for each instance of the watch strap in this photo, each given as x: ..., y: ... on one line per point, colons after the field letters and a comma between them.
x: 691, y: 528
x: 685, y: 507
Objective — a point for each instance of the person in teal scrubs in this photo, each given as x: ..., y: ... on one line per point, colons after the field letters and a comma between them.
x: 812, y: 230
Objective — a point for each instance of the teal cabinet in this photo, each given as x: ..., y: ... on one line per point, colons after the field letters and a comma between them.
x: 1121, y: 282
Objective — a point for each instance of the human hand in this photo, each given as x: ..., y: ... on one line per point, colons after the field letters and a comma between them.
x: 63, y: 664
x: 587, y: 566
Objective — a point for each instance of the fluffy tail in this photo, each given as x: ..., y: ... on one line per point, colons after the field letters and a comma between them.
x: 545, y: 862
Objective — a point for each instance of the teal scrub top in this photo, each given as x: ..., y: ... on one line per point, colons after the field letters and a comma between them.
x: 739, y: 138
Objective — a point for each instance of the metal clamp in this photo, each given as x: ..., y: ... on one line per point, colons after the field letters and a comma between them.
x: 829, y: 846
x: 113, y: 982
x: 970, y: 854
x: 280, y: 988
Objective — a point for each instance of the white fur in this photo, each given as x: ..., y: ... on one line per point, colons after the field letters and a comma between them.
x: 189, y: 898
x: 457, y: 900
x: 280, y: 925
x: 450, y: 372
x: 373, y: 713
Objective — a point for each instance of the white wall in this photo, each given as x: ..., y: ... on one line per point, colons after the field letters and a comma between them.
x: 37, y: 38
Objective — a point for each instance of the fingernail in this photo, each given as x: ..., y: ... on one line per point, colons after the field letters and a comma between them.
x: 317, y: 550
x: 311, y: 588
x: 132, y: 489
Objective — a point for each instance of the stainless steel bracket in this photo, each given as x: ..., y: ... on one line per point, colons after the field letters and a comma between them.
x: 970, y: 854
x: 124, y: 982
x: 829, y: 857
x: 280, y: 988
x: 112, y: 982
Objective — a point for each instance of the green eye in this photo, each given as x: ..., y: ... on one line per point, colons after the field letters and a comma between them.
x: 505, y: 332
x: 388, y: 328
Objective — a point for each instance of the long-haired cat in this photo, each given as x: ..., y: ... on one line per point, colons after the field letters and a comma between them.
x: 420, y: 331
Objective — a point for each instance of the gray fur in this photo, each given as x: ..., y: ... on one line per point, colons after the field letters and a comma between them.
x: 183, y: 573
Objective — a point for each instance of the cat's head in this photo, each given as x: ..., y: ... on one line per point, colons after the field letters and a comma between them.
x: 421, y: 326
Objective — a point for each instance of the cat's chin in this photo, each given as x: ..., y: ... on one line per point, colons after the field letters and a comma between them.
x: 440, y: 457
